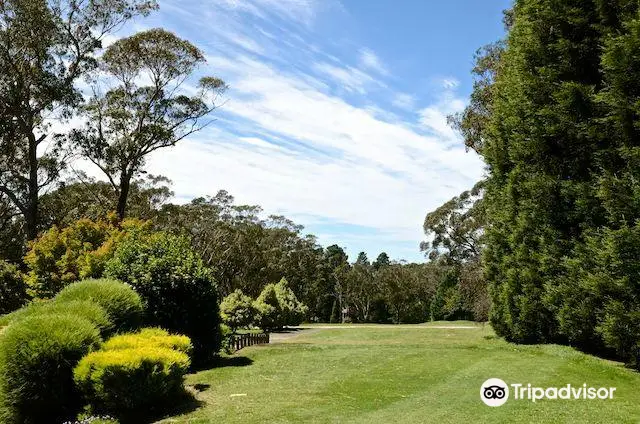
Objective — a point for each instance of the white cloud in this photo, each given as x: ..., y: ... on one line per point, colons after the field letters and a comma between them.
x: 450, y: 83
x: 288, y: 142
x: 404, y: 101
x: 370, y: 60
x: 351, y: 79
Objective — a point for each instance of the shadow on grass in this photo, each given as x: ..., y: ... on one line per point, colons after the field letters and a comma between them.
x: 181, y: 404
x: 287, y: 330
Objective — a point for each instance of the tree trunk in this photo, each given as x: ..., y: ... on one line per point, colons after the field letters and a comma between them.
x: 31, y: 212
x: 125, y: 184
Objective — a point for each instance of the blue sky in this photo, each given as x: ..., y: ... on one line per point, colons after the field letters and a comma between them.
x: 336, y: 112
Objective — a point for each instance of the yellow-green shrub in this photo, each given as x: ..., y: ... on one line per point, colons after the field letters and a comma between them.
x: 133, y: 382
x: 149, y: 337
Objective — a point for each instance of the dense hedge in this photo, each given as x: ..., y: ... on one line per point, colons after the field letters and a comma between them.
x: 178, y: 290
x: 137, y: 381
x: 37, y: 357
x: 13, y: 290
x: 121, y: 302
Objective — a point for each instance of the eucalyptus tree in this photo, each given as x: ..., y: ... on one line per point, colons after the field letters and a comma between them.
x: 46, y: 47
x: 148, y: 104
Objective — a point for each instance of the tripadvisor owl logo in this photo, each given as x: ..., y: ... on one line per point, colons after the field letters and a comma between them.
x: 494, y: 392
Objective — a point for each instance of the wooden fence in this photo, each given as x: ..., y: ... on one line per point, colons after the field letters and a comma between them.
x: 243, y: 340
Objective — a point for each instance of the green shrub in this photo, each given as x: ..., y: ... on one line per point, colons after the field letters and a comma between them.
x: 122, y: 304
x: 13, y: 290
x: 268, y: 308
x: 37, y: 357
x: 178, y: 290
x: 237, y: 310
x: 149, y: 337
x: 277, y: 306
x: 293, y: 311
x: 135, y: 382
x: 91, y: 311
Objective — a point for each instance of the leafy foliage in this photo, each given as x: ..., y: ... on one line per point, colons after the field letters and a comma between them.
x: 278, y: 307
x: 237, y: 310
x: 178, y: 291
x: 37, y: 356
x: 61, y: 256
x: 13, y: 290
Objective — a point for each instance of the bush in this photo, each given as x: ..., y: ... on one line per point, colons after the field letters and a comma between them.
x: 155, y: 337
x: 122, y: 304
x: 37, y: 357
x: 134, y: 382
x: 293, y: 311
x: 178, y: 290
x: 237, y: 310
x: 90, y: 311
x: 58, y: 256
x: 61, y: 256
x: 13, y: 290
x: 268, y: 309
x: 277, y: 306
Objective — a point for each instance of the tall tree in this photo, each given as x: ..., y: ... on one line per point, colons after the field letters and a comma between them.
x: 148, y: 108
x: 542, y: 136
x: 381, y: 261
x: 45, y: 47
x: 456, y: 228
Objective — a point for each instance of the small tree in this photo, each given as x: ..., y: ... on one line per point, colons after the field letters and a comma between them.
x: 277, y: 306
x: 237, y: 310
x: 129, y: 121
x: 268, y: 309
x: 293, y: 311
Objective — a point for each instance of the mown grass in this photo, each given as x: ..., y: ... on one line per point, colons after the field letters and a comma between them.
x: 384, y: 374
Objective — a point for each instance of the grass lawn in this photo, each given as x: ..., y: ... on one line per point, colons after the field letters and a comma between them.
x: 404, y: 374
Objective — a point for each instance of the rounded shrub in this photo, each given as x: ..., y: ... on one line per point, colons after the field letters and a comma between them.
x: 13, y: 289
x: 179, y: 292
x: 91, y: 311
x: 237, y: 310
x: 132, y: 383
x: 37, y: 357
x: 149, y: 337
x: 121, y: 302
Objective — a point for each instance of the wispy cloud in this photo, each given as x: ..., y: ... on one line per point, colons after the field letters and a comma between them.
x: 307, y: 132
x: 370, y: 60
